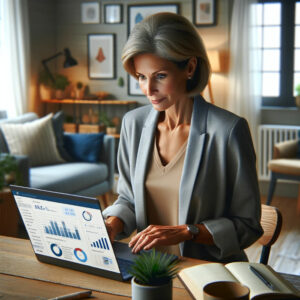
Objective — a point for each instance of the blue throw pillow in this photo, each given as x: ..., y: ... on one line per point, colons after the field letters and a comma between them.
x: 58, y: 127
x: 84, y: 146
x: 298, y: 153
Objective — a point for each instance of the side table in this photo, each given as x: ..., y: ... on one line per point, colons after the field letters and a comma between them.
x: 9, y: 214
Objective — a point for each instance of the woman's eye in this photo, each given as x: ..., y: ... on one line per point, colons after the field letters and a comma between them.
x: 140, y: 77
x: 161, y: 76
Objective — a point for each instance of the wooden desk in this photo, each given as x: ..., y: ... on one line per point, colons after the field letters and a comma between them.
x: 9, y: 214
x: 23, y: 277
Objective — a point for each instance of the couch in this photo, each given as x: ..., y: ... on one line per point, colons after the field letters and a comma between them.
x: 69, y: 176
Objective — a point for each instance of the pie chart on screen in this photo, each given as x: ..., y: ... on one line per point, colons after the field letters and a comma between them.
x: 56, y: 250
x: 80, y: 255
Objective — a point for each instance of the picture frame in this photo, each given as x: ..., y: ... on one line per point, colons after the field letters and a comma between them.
x: 113, y: 13
x: 90, y: 12
x: 204, y: 12
x: 101, y: 56
x: 136, y: 13
x: 134, y: 87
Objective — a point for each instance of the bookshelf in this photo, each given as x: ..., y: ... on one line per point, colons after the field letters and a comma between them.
x: 77, y: 111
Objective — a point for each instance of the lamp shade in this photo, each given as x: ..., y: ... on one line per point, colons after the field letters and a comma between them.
x: 219, y: 61
x: 69, y: 60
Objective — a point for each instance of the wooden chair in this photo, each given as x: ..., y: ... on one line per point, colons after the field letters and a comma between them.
x: 284, y: 165
x: 271, y: 222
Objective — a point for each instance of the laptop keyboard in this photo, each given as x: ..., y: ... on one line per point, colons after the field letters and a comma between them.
x: 125, y: 266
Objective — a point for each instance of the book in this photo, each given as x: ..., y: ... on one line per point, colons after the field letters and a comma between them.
x: 196, y: 277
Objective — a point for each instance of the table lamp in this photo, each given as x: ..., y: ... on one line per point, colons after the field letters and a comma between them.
x: 69, y: 61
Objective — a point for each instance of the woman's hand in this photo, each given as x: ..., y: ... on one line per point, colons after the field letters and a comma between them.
x: 114, y: 225
x: 155, y: 235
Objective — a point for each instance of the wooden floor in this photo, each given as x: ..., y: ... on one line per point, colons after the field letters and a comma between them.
x: 285, y: 253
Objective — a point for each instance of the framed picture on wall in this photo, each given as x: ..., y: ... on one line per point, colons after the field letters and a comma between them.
x: 136, y: 13
x: 90, y: 13
x: 204, y: 12
x: 133, y: 87
x: 113, y: 13
x: 101, y: 56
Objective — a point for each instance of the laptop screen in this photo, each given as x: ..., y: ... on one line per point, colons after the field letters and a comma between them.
x: 67, y: 229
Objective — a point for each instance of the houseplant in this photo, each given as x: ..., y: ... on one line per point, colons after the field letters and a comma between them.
x: 152, y: 276
x: 297, y: 99
x: 45, y: 85
x: 9, y: 172
x: 79, y: 90
x: 60, y: 84
x: 110, y: 126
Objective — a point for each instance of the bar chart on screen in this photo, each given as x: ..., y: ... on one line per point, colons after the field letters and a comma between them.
x: 63, y: 231
x: 101, y: 244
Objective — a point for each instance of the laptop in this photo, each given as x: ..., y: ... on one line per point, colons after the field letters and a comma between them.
x: 69, y: 231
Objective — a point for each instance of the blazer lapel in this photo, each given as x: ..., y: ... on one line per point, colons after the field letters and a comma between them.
x: 193, y: 156
x: 145, y: 146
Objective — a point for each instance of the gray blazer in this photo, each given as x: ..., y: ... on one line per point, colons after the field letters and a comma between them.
x: 218, y: 188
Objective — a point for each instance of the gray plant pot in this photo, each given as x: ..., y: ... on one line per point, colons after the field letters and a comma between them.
x: 148, y: 292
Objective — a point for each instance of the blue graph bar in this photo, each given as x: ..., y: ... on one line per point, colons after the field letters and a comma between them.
x: 101, y: 243
x: 63, y: 231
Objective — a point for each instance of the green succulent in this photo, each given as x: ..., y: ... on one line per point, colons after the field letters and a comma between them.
x: 297, y: 89
x: 61, y: 82
x: 105, y: 119
x: 154, y: 268
x: 8, y: 166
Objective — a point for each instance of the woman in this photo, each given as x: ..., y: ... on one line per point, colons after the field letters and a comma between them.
x: 187, y: 175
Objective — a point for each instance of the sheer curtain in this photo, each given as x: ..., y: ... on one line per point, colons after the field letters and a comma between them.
x: 14, y: 57
x: 244, y: 77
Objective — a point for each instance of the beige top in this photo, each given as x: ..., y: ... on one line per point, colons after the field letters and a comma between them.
x: 162, y: 192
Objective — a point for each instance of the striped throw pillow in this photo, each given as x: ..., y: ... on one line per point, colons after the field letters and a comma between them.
x: 35, y: 139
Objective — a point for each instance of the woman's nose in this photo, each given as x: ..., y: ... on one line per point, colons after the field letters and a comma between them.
x: 150, y: 87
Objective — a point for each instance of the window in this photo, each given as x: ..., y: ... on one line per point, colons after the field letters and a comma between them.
x: 279, y: 41
x: 2, y: 86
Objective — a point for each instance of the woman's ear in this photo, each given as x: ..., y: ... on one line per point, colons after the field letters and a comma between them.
x: 191, y: 67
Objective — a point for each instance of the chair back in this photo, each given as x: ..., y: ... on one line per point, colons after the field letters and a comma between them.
x: 271, y: 222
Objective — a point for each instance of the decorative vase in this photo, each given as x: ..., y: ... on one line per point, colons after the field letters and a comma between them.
x: 45, y: 92
x: 297, y: 101
x: 59, y: 94
x: 79, y: 93
x: 150, y: 292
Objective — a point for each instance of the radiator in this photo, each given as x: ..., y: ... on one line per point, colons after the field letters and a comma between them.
x: 268, y: 135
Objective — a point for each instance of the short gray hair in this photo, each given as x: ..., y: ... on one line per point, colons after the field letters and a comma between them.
x: 172, y: 37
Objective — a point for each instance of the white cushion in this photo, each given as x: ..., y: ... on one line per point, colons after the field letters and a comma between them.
x: 35, y: 139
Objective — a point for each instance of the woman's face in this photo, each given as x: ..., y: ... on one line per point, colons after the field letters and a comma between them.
x: 162, y: 82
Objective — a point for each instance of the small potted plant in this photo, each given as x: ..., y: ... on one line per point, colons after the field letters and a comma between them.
x: 110, y: 126
x: 45, y: 85
x: 79, y: 90
x: 153, y: 273
x: 9, y: 172
x: 60, y: 84
x: 297, y: 98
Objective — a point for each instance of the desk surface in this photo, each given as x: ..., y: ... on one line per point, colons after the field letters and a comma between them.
x: 22, y: 276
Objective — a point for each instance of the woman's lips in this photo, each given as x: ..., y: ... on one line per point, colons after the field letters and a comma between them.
x: 157, y: 101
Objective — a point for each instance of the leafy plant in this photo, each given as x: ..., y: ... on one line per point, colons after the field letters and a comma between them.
x: 297, y: 89
x: 79, y: 85
x: 154, y: 268
x: 45, y: 79
x: 61, y: 82
x: 105, y: 119
x: 9, y: 171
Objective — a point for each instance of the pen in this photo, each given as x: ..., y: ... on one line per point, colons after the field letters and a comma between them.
x: 262, y: 278
x: 78, y: 295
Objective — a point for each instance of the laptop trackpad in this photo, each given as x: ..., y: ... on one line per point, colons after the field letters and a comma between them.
x: 122, y: 250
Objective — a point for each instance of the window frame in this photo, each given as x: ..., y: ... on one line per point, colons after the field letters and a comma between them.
x: 287, y: 34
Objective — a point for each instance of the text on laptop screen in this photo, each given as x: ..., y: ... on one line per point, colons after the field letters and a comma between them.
x: 67, y: 229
